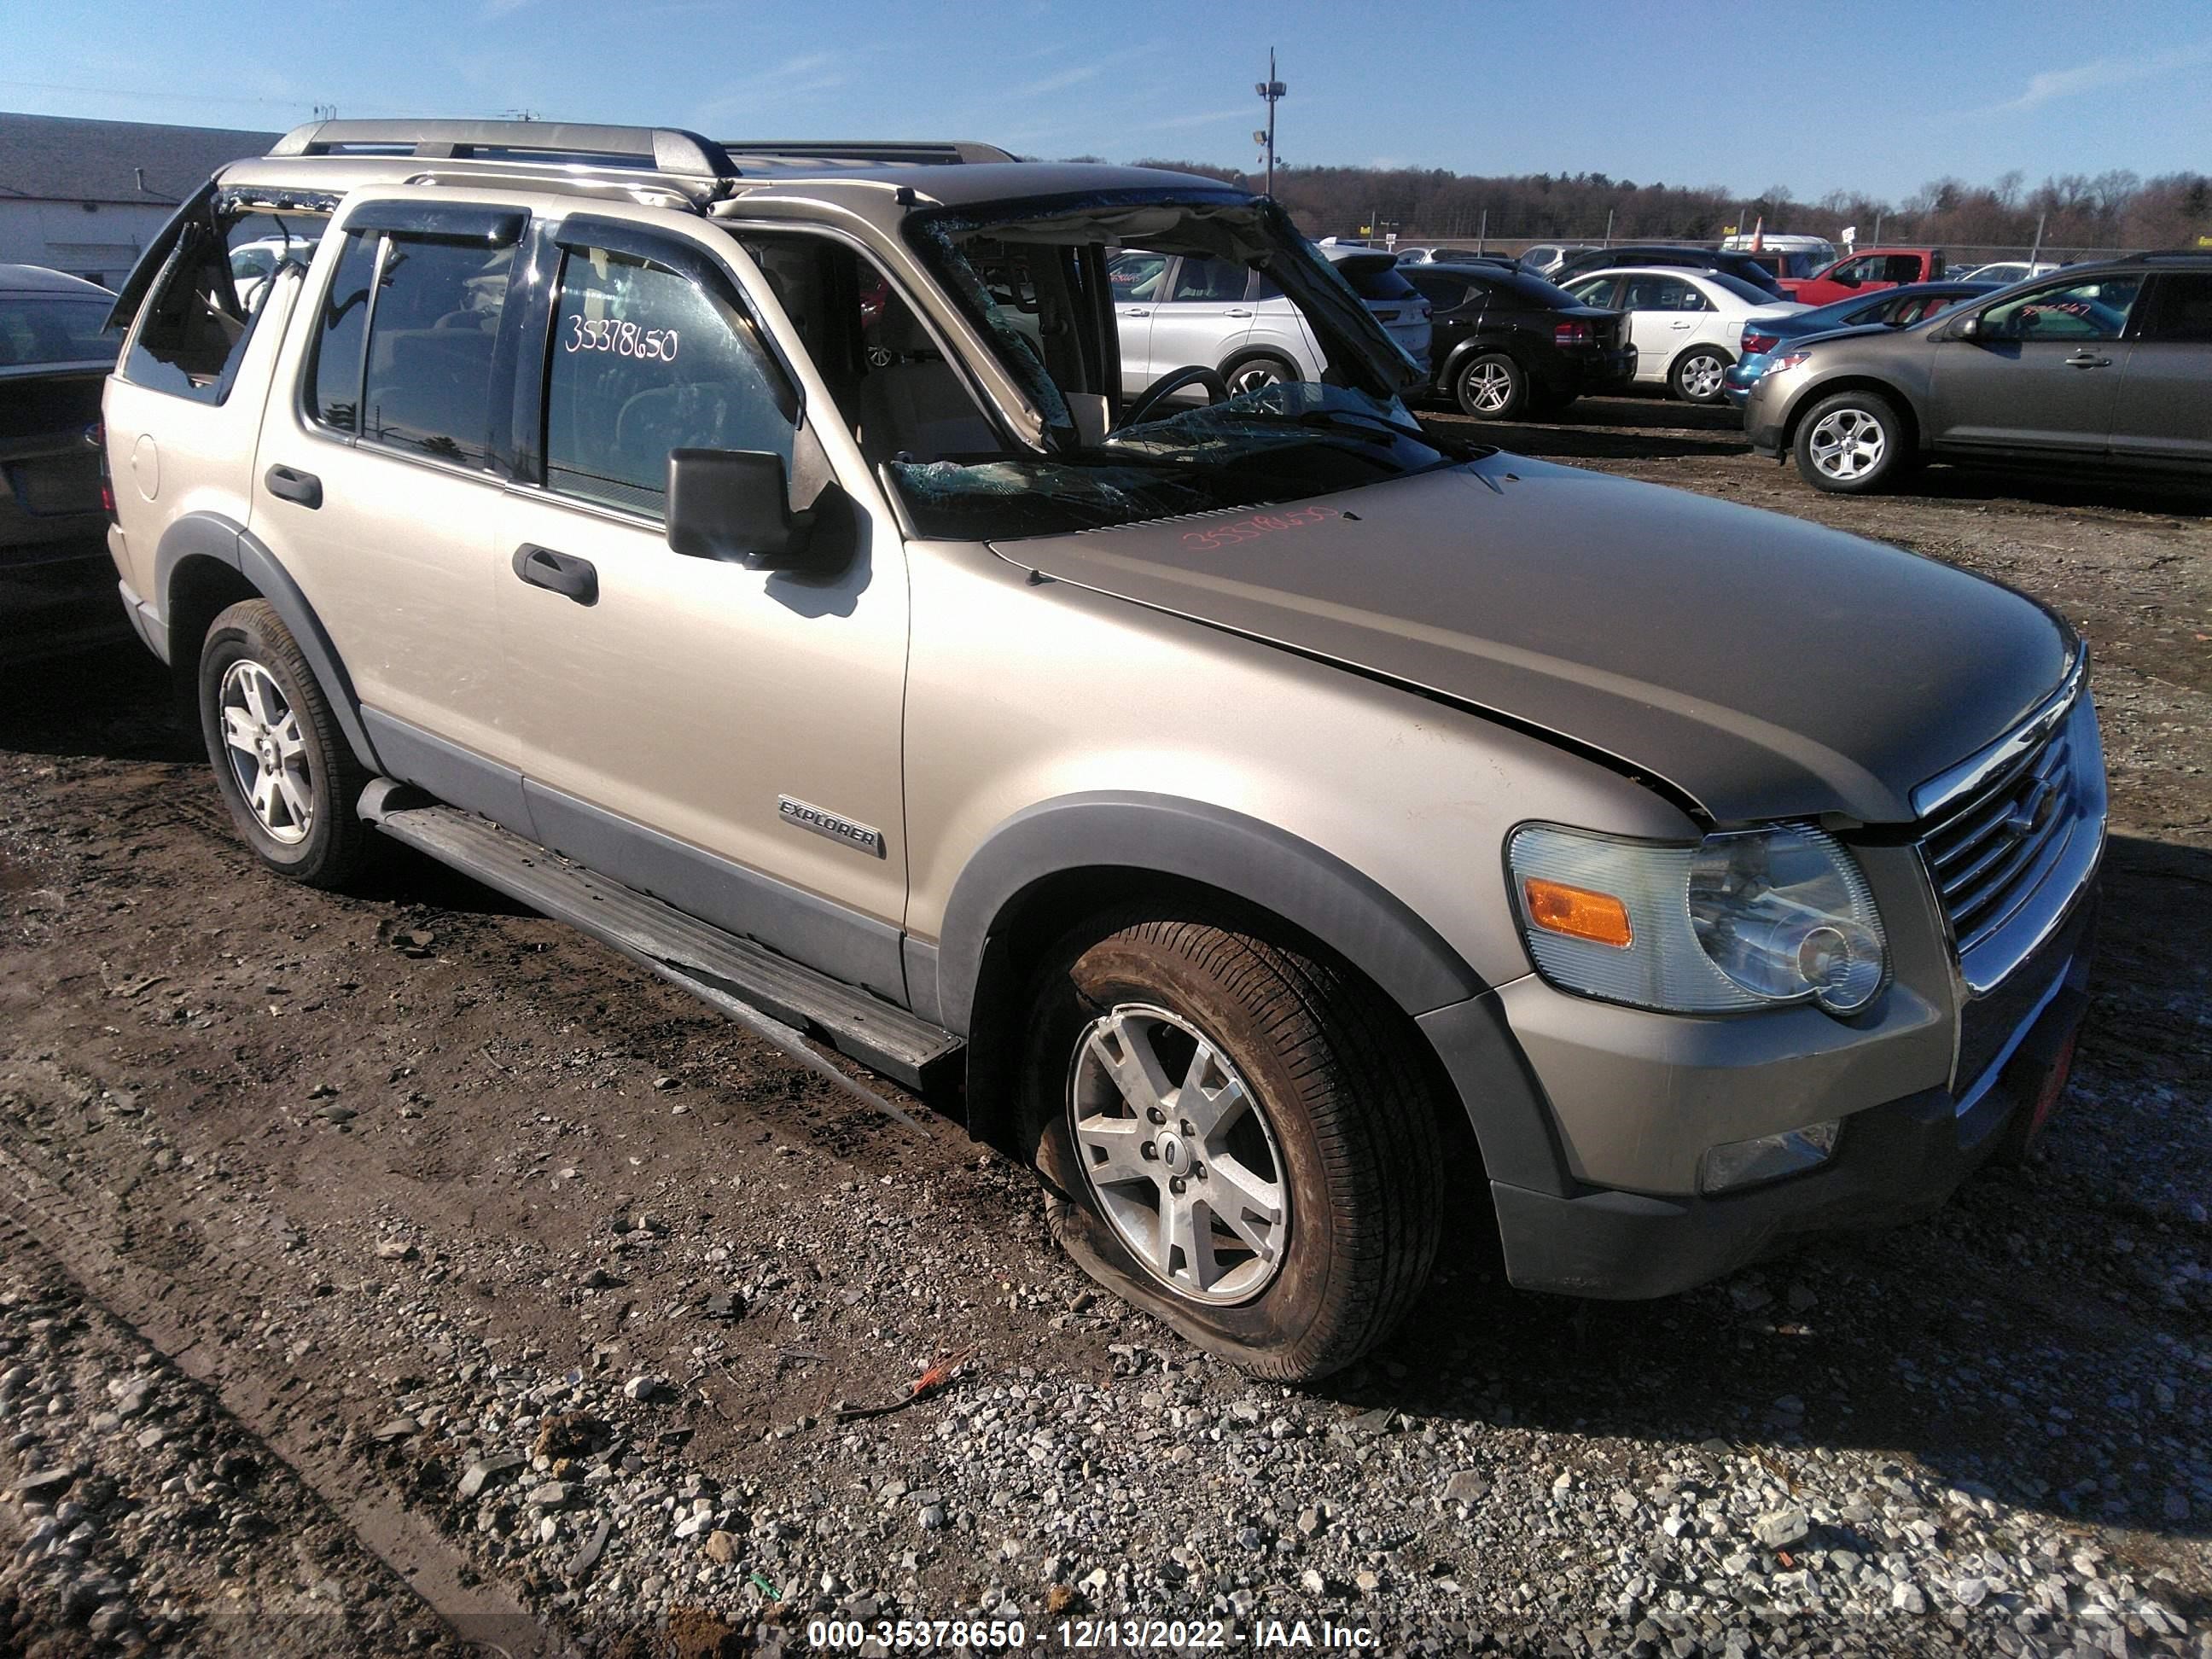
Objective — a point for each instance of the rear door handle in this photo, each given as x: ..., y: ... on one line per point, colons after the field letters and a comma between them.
x: 1237, y: 313
x: 290, y: 484
x: 1136, y: 313
x: 2083, y: 359
x: 559, y: 572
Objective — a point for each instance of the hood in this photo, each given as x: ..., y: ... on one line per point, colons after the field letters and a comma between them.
x: 1764, y: 666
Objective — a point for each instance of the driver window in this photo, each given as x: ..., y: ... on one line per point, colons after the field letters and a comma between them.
x: 1865, y: 270
x: 2092, y: 310
x: 643, y: 360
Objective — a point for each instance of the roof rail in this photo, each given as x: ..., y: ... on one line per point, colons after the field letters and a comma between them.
x: 908, y: 152
x: 655, y: 149
x: 2187, y: 255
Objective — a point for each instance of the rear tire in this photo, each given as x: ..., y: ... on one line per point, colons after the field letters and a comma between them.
x: 282, y: 767
x: 1291, y: 1234
x: 1255, y: 374
x: 1851, y: 444
x: 1490, y: 386
x: 1699, y: 375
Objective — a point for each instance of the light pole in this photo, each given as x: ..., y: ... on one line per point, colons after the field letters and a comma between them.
x: 1271, y: 90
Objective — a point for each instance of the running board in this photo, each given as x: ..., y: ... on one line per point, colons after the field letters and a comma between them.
x: 717, y: 967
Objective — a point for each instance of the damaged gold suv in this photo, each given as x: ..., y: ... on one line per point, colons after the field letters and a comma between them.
x: 1296, y: 834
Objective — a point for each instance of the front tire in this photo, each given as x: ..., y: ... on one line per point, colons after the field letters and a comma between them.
x: 1235, y: 1138
x: 1490, y: 386
x: 282, y: 765
x: 1700, y: 375
x: 1851, y: 444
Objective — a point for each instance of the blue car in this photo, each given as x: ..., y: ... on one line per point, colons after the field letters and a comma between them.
x: 1889, y: 307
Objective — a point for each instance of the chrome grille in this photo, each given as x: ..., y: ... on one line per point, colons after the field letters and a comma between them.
x: 1987, y: 852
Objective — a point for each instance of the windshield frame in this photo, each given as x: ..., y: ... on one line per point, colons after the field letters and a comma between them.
x: 1357, y: 346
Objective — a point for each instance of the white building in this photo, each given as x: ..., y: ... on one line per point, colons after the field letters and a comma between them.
x: 84, y: 196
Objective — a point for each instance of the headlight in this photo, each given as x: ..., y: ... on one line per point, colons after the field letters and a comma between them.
x: 1747, y: 920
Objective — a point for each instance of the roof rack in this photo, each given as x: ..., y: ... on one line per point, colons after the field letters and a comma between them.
x: 2179, y: 255
x: 898, y: 151
x: 655, y: 149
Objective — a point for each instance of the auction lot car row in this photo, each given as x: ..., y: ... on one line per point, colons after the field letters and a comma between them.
x: 456, y: 1192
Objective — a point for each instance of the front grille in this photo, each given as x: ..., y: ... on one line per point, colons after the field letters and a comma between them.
x: 1986, y: 853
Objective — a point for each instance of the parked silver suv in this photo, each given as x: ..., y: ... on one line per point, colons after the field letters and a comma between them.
x: 1297, y: 834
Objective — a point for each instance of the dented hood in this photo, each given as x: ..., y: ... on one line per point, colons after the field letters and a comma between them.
x: 1763, y: 667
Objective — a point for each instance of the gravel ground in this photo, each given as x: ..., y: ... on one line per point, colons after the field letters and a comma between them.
x: 445, y: 1219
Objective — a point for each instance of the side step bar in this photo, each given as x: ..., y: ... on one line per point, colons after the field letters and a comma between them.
x: 719, y: 968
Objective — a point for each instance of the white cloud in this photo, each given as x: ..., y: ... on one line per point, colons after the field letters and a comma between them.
x: 1203, y: 119
x: 2101, y: 73
x: 814, y: 71
x: 1076, y: 76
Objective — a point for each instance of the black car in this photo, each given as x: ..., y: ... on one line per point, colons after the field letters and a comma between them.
x: 1743, y: 266
x: 1505, y: 343
x: 57, y: 581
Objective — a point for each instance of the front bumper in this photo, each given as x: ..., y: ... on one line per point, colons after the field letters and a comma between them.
x: 1895, y: 1162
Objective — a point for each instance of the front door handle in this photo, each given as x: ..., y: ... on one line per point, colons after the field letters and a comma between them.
x: 1239, y: 314
x: 2083, y: 359
x: 290, y: 484
x: 559, y: 572
x: 1136, y: 313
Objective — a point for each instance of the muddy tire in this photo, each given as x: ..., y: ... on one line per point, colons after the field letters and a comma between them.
x: 1234, y: 1136
x: 282, y: 765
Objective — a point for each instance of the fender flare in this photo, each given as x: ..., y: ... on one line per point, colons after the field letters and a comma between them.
x: 210, y: 535
x: 1308, y: 887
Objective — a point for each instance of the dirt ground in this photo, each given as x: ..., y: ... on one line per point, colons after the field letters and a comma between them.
x: 321, y: 1154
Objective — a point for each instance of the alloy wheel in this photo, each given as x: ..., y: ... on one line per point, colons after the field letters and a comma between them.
x: 1179, y: 1154
x: 1490, y: 387
x: 267, y: 754
x: 1255, y: 376
x: 1848, y: 444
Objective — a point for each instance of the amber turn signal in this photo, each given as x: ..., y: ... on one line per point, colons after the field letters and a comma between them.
x: 1577, y: 912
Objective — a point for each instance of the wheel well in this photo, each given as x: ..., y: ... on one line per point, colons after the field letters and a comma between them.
x: 1482, y: 345
x: 201, y: 588
x: 1828, y: 389
x: 1035, y: 919
x: 1253, y: 354
x: 1713, y: 346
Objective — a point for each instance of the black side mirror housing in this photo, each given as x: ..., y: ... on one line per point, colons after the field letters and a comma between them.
x: 735, y: 505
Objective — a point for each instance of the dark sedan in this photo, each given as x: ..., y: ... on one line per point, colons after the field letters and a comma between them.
x: 1508, y: 343
x: 1892, y: 307
x: 57, y: 581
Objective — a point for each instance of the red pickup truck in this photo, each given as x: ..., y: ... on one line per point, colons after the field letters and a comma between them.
x: 1863, y: 272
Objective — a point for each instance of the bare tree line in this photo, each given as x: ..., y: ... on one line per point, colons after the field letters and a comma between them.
x: 2114, y: 209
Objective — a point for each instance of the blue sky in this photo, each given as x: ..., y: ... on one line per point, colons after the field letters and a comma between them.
x: 1875, y: 95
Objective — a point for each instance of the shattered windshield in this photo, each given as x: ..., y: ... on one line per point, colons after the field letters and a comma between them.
x: 1180, y: 353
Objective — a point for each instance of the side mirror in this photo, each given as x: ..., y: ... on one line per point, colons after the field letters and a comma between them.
x: 1845, y: 278
x: 1969, y: 328
x: 735, y: 505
